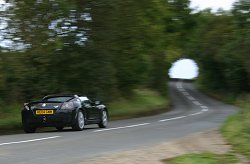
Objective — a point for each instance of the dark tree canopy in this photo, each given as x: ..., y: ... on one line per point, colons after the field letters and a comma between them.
x: 106, y: 49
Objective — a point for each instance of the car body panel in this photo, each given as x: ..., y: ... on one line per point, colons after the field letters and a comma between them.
x: 56, y: 114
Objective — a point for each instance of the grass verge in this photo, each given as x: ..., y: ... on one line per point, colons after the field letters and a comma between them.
x: 236, y: 129
x: 203, y: 158
x: 10, y: 116
x: 10, y: 119
x: 144, y: 102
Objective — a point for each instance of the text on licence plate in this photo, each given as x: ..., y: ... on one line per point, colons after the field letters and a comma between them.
x: 39, y: 112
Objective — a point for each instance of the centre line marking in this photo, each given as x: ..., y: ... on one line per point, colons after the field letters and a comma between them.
x: 170, y: 119
x: 179, y: 85
x: 26, y: 141
x: 194, y: 114
x: 197, y: 103
x: 204, y: 110
x: 123, y: 127
x: 190, y: 98
x: 193, y: 100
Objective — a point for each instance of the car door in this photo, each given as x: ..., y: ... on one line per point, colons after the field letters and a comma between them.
x: 91, y: 110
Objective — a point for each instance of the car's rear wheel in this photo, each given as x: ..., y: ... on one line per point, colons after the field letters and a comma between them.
x: 59, y: 128
x: 80, y: 121
x: 29, y: 129
x: 104, y: 119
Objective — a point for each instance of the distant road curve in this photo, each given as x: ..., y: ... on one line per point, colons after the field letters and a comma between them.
x: 192, y: 112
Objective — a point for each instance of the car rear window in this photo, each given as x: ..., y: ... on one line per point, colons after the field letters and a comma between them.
x: 59, y: 99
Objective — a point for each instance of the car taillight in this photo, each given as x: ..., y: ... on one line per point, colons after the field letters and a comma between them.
x: 68, y: 105
x: 26, y: 106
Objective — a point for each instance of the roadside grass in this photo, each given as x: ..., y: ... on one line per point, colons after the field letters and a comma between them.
x: 236, y: 129
x: 10, y: 116
x: 221, y: 95
x: 203, y: 158
x: 144, y: 102
x: 10, y: 119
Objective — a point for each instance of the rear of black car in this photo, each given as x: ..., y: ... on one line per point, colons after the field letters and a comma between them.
x: 47, y: 113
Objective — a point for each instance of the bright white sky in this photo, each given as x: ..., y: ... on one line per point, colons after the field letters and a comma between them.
x: 184, y: 69
x: 214, y: 4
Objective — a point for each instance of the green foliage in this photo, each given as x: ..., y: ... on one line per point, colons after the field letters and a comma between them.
x: 10, y: 117
x: 103, y: 49
x: 221, y: 47
x: 143, y: 102
x: 204, y: 158
x: 237, y: 128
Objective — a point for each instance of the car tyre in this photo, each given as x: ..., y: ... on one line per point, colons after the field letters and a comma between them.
x: 29, y: 129
x: 104, y: 120
x: 79, y: 122
x: 59, y: 128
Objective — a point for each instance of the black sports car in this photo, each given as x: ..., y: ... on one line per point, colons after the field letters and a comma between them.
x: 63, y: 110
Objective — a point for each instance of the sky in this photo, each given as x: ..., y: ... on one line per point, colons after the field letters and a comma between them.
x: 214, y: 4
x: 184, y: 69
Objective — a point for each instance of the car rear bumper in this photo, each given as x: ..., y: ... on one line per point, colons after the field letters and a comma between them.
x: 57, y: 119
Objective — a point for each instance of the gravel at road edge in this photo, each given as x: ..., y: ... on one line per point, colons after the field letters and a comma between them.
x: 209, y: 141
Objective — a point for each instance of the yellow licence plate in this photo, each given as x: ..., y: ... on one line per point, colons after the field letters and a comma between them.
x: 40, y: 112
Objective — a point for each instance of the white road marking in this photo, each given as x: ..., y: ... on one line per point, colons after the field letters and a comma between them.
x: 204, y: 110
x: 182, y: 90
x: 123, y: 127
x: 179, y: 85
x: 197, y: 103
x: 186, y: 93
x: 170, y: 119
x: 194, y: 114
x: 26, y: 141
x: 190, y: 98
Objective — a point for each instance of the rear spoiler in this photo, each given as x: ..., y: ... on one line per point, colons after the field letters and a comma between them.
x: 37, y: 102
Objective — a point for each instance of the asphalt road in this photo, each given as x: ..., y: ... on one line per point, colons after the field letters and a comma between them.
x: 192, y: 112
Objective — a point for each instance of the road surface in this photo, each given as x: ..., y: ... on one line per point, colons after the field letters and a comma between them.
x: 192, y: 112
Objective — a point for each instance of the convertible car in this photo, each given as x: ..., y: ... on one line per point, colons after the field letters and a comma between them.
x: 63, y: 110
